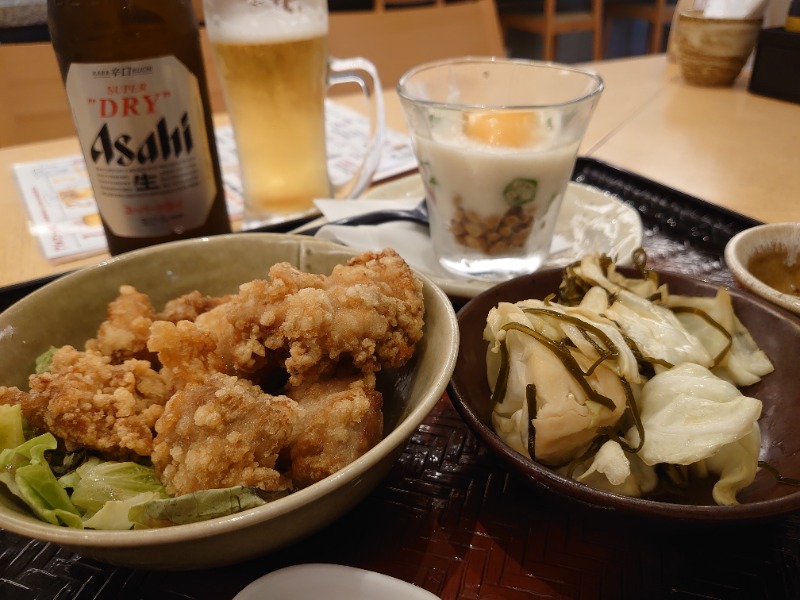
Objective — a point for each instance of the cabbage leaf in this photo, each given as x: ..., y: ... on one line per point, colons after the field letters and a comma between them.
x: 656, y: 331
x: 11, y: 426
x: 614, y: 470
x: 567, y: 416
x: 744, y: 363
x: 26, y: 473
x: 95, y: 483
x: 689, y: 415
x: 194, y: 507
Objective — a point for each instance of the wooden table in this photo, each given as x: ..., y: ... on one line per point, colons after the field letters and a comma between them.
x: 727, y: 146
x: 449, y: 517
x: 724, y: 145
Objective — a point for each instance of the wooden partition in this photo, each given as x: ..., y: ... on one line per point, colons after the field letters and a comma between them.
x: 34, y: 103
x: 35, y: 106
x: 400, y: 36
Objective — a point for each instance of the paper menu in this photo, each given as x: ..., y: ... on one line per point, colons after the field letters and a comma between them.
x: 63, y: 214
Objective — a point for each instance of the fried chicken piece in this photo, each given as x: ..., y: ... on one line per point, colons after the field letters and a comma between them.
x: 187, y: 353
x: 217, y: 324
x: 189, y: 306
x: 369, y: 312
x: 256, y: 307
x: 89, y: 402
x: 124, y: 333
x: 342, y: 420
x: 191, y: 351
x: 33, y: 407
x: 222, y: 433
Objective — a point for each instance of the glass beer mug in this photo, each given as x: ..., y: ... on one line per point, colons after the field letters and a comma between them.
x: 275, y: 70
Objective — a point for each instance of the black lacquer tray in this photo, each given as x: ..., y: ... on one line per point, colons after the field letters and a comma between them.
x: 451, y: 520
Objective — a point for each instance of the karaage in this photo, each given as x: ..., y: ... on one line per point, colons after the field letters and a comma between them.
x: 342, y: 419
x: 222, y: 433
x: 89, y: 402
x: 369, y: 312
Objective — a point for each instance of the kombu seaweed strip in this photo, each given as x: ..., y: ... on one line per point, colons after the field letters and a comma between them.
x: 639, y: 259
x: 566, y: 359
x: 777, y: 474
x: 677, y: 474
x: 633, y: 409
x: 499, y: 391
x: 608, y: 350
x: 530, y: 398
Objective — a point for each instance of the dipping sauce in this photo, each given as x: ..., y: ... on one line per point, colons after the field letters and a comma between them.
x: 777, y: 269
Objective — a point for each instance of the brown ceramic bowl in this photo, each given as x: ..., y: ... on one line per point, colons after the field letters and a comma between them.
x: 777, y: 333
x: 766, y: 261
x: 69, y: 310
x: 712, y: 51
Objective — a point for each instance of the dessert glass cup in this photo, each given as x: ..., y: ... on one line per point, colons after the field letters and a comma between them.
x: 496, y: 141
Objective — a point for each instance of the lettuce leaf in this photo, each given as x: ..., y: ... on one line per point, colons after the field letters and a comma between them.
x: 194, y: 507
x: 71, y: 479
x: 96, y: 483
x: 44, y: 360
x: 11, y: 426
x: 26, y: 473
x: 114, y: 513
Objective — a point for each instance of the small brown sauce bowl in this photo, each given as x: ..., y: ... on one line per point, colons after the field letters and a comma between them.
x: 765, y: 260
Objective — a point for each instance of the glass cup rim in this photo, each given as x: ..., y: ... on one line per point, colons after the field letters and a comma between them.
x: 403, y: 93
x: 696, y: 15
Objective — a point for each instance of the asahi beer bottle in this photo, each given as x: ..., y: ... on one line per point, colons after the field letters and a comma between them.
x: 135, y: 81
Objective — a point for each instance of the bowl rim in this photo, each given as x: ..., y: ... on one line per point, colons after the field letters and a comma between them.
x: 745, y: 243
x: 29, y: 526
x: 539, y: 476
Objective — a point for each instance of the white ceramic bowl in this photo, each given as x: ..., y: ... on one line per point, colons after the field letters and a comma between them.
x: 332, y: 582
x: 763, y: 257
x: 70, y: 309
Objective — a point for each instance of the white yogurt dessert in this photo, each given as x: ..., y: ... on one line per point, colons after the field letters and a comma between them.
x: 494, y: 183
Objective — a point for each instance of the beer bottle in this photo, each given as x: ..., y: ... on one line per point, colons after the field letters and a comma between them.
x: 135, y: 80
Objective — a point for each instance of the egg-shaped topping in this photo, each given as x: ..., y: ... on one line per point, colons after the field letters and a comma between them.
x: 509, y: 129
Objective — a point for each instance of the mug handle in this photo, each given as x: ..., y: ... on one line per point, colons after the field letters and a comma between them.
x: 362, y: 72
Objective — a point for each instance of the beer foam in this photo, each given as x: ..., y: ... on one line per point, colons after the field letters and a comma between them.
x: 244, y: 24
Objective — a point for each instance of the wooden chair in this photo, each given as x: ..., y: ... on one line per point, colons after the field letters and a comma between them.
x: 399, y: 34
x: 657, y: 13
x: 551, y: 23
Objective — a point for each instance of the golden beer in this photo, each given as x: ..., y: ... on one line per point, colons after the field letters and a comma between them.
x: 275, y: 92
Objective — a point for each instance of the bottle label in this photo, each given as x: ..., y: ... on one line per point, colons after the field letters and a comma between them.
x: 143, y: 135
